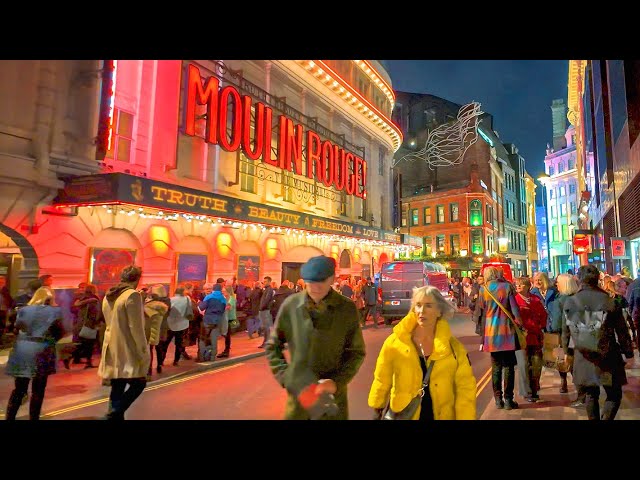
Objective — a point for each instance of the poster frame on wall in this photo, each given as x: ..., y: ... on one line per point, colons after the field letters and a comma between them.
x: 196, y: 282
x: 241, y: 273
x: 94, y: 253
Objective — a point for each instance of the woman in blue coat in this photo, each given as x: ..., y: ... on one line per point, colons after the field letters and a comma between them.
x: 33, y: 357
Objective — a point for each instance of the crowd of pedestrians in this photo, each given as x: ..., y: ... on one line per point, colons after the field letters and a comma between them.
x: 594, y: 316
x: 319, y: 320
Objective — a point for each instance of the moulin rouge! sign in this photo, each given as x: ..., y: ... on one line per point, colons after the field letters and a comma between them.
x: 324, y: 162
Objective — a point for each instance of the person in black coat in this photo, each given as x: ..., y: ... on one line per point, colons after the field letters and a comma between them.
x: 281, y: 294
x: 253, y: 321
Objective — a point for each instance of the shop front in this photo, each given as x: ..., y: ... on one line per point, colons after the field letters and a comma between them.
x: 178, y: 234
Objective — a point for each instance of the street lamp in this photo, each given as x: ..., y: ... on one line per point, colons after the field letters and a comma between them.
x: 543, y: 178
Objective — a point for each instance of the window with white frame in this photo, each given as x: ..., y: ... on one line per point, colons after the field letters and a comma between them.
x: 122, y: 139
x: 563, y: 209
x: 552, y: 211
x: 563, y: 190
x: 560, y: 166
x: 572, y: 188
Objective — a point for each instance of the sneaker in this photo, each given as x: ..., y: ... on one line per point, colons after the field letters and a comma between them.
x: 577, y: 403
x: 531, y: 399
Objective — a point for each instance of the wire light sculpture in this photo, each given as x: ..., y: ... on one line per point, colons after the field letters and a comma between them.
x: 447, y: 143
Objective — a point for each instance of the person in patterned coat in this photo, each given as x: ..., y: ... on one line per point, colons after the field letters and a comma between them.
x: 499, y: 334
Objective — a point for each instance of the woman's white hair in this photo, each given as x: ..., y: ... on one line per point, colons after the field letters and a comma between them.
x: 446, y: 309
x: 567, y: 284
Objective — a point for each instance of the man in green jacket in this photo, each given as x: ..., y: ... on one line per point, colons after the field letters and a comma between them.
x: 322, y: 331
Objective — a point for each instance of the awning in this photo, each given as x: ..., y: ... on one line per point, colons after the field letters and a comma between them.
x: 123, y: 189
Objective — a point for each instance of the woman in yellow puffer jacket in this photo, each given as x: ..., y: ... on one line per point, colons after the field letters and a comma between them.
x: 400, y: 369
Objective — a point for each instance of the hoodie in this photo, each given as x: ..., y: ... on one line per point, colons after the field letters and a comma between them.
x: 155, y: 316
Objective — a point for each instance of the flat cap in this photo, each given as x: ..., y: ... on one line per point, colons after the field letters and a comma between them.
x: 318, y: 269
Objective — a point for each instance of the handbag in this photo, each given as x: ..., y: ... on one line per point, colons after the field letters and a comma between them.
x: 409, y: 411
x: 88, y: 333
x: 521, y: 333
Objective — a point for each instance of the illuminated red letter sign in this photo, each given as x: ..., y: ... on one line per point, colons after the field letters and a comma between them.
x: 581, y: 244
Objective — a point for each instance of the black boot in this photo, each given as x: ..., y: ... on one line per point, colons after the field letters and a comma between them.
x: 496, y: 380
x: 509, y: 381
x: 499, y: 403
x: 609, y: 410
x: 563, y: 383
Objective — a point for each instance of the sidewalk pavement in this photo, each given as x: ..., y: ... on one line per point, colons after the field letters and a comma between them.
x: 79, y: 385
x: 554, y: 405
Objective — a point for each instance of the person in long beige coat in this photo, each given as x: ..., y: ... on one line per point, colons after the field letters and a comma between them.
x: 125, y: 352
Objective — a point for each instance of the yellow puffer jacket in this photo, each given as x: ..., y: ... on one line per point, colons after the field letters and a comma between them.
x: 452, y: 384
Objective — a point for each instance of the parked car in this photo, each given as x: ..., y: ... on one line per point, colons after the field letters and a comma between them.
x: 398, y: 279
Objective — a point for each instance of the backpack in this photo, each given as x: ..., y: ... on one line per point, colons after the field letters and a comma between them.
x: 587, y: 330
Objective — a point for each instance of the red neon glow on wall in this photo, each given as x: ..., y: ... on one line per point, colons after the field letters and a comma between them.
x: 107, y: 102
x: 227, y: 107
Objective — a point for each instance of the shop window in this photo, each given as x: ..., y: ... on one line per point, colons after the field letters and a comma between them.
x: 122, y: 138
x: 414, y: 217
x: 248, y: 181
x: 342, y: 204
x: 382, y: 152
x: 453, y: 212
x: 427, y: 215
x: 454, y: 241
x: 428, y: 247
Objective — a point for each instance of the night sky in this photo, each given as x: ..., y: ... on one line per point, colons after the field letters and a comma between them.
x: 518, y: 93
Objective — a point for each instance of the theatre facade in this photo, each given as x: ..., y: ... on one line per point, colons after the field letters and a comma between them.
x: 207, y: 169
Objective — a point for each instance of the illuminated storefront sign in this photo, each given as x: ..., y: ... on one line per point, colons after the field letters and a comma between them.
x: 477, y: 246
x: 119, y: 188
x: 302, y: 152
x: 618, y: 248
x: 581, y: 243
x: 107, y: 99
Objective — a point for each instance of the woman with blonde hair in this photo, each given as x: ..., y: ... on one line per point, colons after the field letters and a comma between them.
x: 567, y: 286
x: 422, y: 357
x: 543, y: 287
x: 34, y: 355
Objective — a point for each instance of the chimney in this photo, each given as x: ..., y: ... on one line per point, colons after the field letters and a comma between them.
x: 559, y: 117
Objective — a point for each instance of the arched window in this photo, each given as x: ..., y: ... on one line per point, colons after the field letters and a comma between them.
x: 475, y: 213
